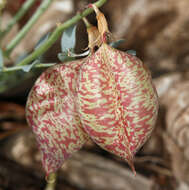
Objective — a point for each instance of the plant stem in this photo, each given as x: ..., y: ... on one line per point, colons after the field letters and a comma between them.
x: 51, y: 182
x: 17, y: 17
x: 57, y: 33
x: 45, y: 4
x: 16, y: 68
x: 86, y: 22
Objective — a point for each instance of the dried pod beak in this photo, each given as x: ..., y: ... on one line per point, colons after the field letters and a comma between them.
x: 102, y: 23
x: 93, y: 35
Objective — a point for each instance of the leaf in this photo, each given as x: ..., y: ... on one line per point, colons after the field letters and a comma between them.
x: 72, y: 54
x: 42, y: 40
x: 1, y: 60
x: 116, y: 43
x: 64, y: 57
x: 131, y: 52
x: 69, y: 55
x: 21, y: 57
x: 68, y: 38
x: 27, y: 68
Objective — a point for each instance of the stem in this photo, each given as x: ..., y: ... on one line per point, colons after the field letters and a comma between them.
x: 0, y: 21
x: 27, y: 27
x: 57, y: 33
x: 40, y: 65
x: 51, y: 181
x: 86, y: 22
x: 18, y: 16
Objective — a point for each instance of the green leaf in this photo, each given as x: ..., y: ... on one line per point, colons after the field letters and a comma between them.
x: 131, y: 52
x: 117, y: 43
x: 72, y: 54
x: 1, y: 60
x: 27, y: 68
x: 21, y: 57
x: 63, y: 57
x: 68, y: 38
x: 42, y: 40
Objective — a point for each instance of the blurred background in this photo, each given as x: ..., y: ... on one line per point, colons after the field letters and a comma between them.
x: 158, y: 30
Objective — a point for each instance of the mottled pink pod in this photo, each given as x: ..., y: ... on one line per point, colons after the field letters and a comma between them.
x: 117, y: 101
x: 51, y: 111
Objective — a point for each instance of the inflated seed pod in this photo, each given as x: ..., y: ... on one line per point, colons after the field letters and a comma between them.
x: 51, y: 111
x: 117, y: 101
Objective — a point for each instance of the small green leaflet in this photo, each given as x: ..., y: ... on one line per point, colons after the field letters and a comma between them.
x: 70, y: 55
x: 21, y: 57
x: 63, y: 57
x: 42, y: 40
x: 68, y: 41
x: 27, y: 68
x: 68, y: 38
x: 131, y: 52
x: 117, y: 43
x: 1, y: 60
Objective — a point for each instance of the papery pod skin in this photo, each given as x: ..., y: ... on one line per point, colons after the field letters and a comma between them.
x: 51, y: 111
x: 117, y: 101
x: 93, y: 35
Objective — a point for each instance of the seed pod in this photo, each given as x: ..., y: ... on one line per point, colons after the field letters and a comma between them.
x: 117, y: 101
x: 51, y: 111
